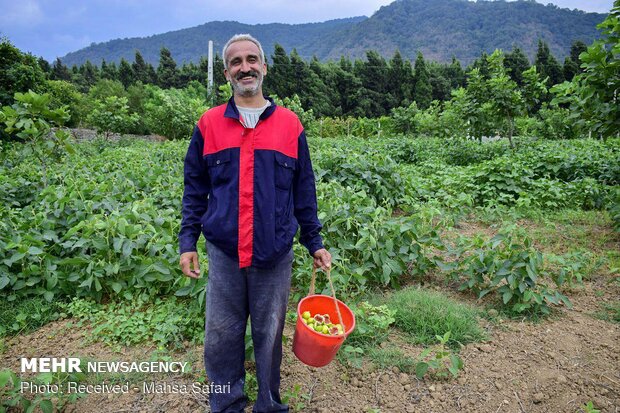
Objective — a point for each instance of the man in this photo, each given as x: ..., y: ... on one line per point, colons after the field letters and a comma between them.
x: 248, y: 186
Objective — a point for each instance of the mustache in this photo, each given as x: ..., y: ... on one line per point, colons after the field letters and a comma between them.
x: 252, y: 73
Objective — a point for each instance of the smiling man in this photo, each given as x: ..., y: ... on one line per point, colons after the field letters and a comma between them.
x: 249, y: 186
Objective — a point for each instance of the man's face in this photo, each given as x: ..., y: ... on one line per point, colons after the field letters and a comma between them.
x: 245, y: 70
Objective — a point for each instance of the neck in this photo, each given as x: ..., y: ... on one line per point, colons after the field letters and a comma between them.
x: 256, y: 101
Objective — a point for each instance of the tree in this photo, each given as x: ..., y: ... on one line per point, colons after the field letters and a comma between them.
x: 167, y: 72
x: 125, y: 73
x: 31, y: 120
x: 475, y: 103
x: 112, y: 115
x: 60, y: 71
x: 19, y: 72
x: 44, y: 65
x: 172, y: 113
x: 572, y: 62
x: 422, y: 91
x: 346, y: 84
x: 593, y: 96
x: 373, y: 99
x: 140, y: 69
x: 455, y: 74
x: 108, y: 70
x: 64, y: 94
x: 280, y: 74
x: 505, y: 97
x: 547, y: 65
x: 516, y: 62
x: 533, y: 89
x: 322, y: 99
x: 440, y: 86
x: 90, y: 73
x: 400, y: 80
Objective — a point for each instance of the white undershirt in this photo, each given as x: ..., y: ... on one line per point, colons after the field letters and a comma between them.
x: 250, y: 116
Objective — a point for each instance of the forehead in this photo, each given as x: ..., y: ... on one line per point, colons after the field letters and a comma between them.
x: 242, y: 48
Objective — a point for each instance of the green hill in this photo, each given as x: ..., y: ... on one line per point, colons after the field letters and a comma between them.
x: 439, y: 29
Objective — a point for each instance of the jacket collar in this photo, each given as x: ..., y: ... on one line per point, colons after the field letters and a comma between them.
x: 233, y: 112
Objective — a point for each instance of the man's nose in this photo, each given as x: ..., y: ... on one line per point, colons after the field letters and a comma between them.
x: 245, y: 66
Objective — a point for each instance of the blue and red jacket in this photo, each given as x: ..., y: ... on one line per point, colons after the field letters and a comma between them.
x: 249, y: 189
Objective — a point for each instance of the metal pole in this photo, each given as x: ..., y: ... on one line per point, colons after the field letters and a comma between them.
x: 210, y: 71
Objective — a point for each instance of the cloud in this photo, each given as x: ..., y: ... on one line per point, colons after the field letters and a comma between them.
x: 20, y: 13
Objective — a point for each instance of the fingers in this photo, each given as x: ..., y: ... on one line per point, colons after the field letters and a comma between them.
x: 196, y: 265
x: 189, y: 260
x: 322, y: 259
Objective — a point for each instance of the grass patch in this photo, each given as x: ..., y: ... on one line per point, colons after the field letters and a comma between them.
x: 388, y: 357
x: 426, y: 314
x: 609, y: 312
x: 26, y: 315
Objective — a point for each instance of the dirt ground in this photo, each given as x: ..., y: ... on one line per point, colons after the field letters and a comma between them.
x: 556, y: 365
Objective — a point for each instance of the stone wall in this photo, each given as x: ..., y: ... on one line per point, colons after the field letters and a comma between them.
x: 81, y: 134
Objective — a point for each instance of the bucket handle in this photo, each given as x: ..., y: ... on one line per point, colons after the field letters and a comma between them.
x: 331, y: 285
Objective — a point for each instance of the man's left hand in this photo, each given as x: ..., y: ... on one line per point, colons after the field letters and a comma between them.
x: 322, y: 259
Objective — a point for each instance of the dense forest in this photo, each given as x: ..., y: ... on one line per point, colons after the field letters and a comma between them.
x: 439, y: 29
x: 360, y: 88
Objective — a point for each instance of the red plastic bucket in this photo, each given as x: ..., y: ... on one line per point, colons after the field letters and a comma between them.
x: 313, y: 348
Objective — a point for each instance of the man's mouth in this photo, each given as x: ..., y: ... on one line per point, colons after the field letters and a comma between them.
x: 247, y: 76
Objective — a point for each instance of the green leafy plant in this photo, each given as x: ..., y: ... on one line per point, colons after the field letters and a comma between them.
x: 510, y: 267
x: 589, y: 408
x: 166, y: 322
x: 439, y: 360
x: 12, y: 397
x: 295, y: 398
x: 372, y: 324
x: 111, y: 115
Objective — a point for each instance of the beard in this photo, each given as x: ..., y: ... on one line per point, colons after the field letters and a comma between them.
x: 250, y: 90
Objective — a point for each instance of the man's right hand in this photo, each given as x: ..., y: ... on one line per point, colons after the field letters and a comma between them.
x: 189, y: 264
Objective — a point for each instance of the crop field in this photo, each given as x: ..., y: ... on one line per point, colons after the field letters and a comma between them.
x: 482, y: 277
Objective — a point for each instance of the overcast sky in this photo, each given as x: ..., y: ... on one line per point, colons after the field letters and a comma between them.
x: 52, y: 28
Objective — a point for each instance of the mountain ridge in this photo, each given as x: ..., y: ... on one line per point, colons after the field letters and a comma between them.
x: 440, y: 29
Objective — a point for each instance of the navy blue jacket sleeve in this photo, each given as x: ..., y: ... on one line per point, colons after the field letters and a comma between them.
x: 195, y: 194
x: 304, y: 193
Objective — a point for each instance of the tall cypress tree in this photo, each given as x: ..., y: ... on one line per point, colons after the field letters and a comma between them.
x: 280, y: 74
x: 139, y: 68
x: 455, y: 74
x: 167, y: 72
x: 400, y: 83
x: 90, y: 73
x: 125, y: 74
x: 572, y: 63
x: 60, y: 71
x: 516, y: 62
x: 108, y: 70
x: 45, y: 66
x: 422, y: 92
x: 547, y: 65
x: 375, y: 96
